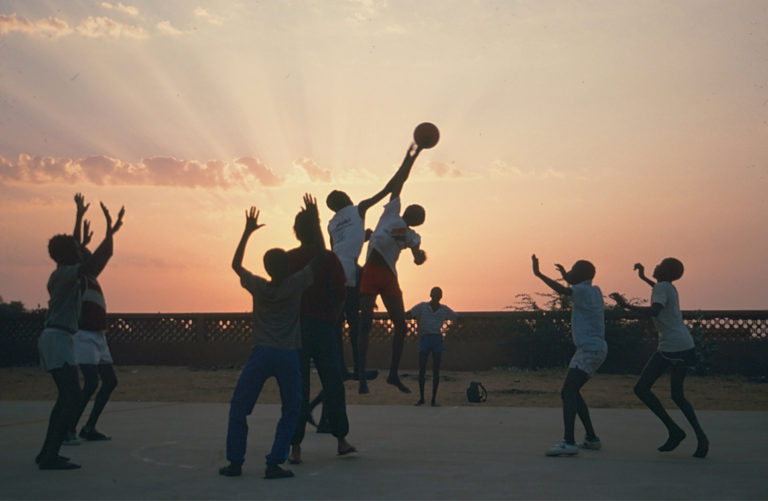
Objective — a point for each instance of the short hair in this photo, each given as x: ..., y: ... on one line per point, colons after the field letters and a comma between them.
x: 63, y: 249
x: 583, y: 270
x: 305, y: 226
x: 276, y: 262
x: 337, y: 200
x: 414, y: 215
x: 674, y: 267
x: 436, y: 290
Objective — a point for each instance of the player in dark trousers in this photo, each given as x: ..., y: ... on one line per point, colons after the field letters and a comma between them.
x: 321, y: 306
x: 57, y: 355
x: 676, y: 353
x: 277, y: 336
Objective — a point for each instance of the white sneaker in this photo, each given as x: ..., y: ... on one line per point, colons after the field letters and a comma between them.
x: 562, y: 448
x: 593, y: 444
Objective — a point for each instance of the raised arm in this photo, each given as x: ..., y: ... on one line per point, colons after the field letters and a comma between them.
x: 395, y: 184
x: 82, y: 207
x: 651, y: 311
x: 554, y: 285
x: 251, y: 225
x: 96, y: 262
x: 641, y: 273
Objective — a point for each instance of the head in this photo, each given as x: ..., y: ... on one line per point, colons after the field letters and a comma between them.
x: 276, y: 263
x: 580, y: 271
x: 668, y: 269
x: 305, y: 227
x: 436, y: 294
x: 64, y: 249
x: 414, y: 215
x: 337, y: 200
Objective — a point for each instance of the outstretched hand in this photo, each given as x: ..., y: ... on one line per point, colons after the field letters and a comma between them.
x: 81, y: 205
x: 310, y: 205
x: 119, y: 222
x: 419, y: 257
x: 252, y: 220
x: 640, y: 268
x: 561, y: 269
x: 535, y: 262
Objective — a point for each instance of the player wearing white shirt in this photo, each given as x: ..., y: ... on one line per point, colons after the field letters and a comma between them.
x: 588, y: 328
x: 676, y: 352
x: 431, y: 316
x: 393, y: 233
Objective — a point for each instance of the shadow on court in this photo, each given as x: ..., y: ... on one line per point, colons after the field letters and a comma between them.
x: 173, y: 451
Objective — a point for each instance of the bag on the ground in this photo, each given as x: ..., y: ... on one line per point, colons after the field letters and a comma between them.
x: 476, y: 392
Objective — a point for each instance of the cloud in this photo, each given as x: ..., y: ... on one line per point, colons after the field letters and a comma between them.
x: 154, y: 171
x: 50, y: 26
x: 126, y: 9
x: 313, y: 170
x: 444, y: 170
x: 502, y: 169
x: 365, y: 10
x: 203, y: 13
x: 166, y: 28
x: 105, y: 27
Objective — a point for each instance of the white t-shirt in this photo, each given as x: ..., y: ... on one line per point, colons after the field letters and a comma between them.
x: 347, y: 230
x: 392, y: 235
x: 430, y: 321
x: 587, y: 317
x: 673, y: 333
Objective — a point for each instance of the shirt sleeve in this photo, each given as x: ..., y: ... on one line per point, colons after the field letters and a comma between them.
x: 659, y: 294
x: 415, y: 312
x: 249, y: 281
x: 450, y: 314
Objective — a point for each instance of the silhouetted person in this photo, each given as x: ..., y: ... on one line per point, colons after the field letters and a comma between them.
x: 588, y: 329
x: 321, y: 306
x: 431, y: 316
x: 277, y: 340
x: 55, y: 343
x: 676, y: 352
x: 393, y: 233
x: 90, y: 344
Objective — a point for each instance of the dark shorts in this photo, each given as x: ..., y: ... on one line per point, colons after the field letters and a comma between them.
x: 431, y: 343
x: 686, y: 358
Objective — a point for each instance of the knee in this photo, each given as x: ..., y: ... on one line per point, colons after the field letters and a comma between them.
x: 641, y: 390
x: 567, y: 393
x: 109, y: 383
x: 89, y: 386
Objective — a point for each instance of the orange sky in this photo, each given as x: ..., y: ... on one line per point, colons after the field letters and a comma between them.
x: 611, y: 131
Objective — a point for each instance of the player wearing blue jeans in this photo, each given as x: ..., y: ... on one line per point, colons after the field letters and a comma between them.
x: 265, y: 362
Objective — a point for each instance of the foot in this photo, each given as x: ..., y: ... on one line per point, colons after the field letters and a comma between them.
x: 591, y: 444
x: 675, y: 437
x: 231, y: 470
x: 363, y: 387
x: 93, y: 436
x: 420, y: 402
x: 63, y: 458
x: 395, y: 381
x: 71, y: 439
x: 702, y: 449
x: 274, y: 471
x: 56, y: 463
x: 563, y: 448
x: 344, y: 448
x: 295, y: 457
x: 434, y: 404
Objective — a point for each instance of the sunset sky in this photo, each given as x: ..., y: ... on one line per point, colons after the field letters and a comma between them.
x: 615, y: 131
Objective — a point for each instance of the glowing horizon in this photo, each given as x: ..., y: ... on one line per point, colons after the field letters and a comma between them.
x: 616, y: 132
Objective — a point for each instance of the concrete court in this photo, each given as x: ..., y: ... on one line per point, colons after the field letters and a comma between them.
x: 173, y: 451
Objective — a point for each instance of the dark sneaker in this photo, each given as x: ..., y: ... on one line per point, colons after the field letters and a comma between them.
x: 56, y: 464
x: 93, y: 435
x: 231, y: 470
x: 274, y: 471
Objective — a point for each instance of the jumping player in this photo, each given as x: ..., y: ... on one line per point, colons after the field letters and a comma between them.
x: 676, y: 352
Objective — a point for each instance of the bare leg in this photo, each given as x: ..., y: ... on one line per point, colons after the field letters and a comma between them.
x: 396, y: 310
x: 677, y: 379
x: 436, y: 357
x: 422, y: 374
x: 366, y: 322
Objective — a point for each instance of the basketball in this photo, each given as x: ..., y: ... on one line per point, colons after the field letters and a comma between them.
x: 426, y: 135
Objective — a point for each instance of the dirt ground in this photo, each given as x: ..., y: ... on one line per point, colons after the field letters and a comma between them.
x: 518, y: 388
